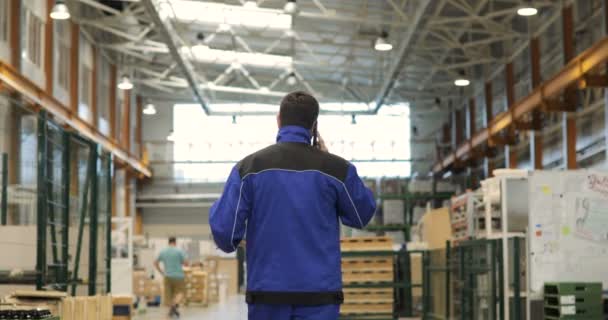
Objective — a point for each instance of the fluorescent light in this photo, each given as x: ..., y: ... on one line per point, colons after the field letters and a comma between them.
x: 171, y: 136
x: 462, y: 82
x: 125, y: 83
x: 60, y: 11
x: 527, y: 11
x: 290, y: 7
x: 291, y: 79
x: 150, y: 109
x: 382, y: 45
x: 214, y: 14
x: 204, y: 54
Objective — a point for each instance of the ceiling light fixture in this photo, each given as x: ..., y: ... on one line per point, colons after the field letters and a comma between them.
x: 291, y: 79
x: 353, y: 119
x: 60, y: 11
x: 125, y: 83
x: 527, y: 11
x: 213, y: 14
x: 171, y: 136
x: 462, y: 81
x: 149, y: 109
x: 290, y: 7
x: 382, y: 43
x: 234, y: 119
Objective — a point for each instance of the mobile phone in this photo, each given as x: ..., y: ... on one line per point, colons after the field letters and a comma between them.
x: 315, y: 136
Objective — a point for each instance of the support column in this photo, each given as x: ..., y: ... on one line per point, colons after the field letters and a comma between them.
x: 488, y: 164
x: 112, y: 93
x: 510, y: 153
x: 570, y: 98
x: 536, y: 136
x: 74, y: 64
x: 471, y: 128
x: 126, y: 121
x: 138, y: 127
x: 15, y: 33
x: 472, y: 112
x: 605, y: 18
x: 48, y: 48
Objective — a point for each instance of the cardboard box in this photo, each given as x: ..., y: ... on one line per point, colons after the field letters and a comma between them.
x: 435, y: 228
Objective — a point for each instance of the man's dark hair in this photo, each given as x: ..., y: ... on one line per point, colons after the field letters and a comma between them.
x: 299, y: 108
x: 172, y: 240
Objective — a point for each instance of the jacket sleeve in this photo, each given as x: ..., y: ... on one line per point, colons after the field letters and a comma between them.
x: 228, y: 215
x: 356, y: 202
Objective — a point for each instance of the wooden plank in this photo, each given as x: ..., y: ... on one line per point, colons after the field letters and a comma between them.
x: 365, y: 276
x: 365, y: 295
x: 39, y: 294
x: 371, y: 263
x: 359, y: 308
x: 366, y: 244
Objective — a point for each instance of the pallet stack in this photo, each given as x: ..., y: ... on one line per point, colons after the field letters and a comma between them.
x: 573, y: 301
x: 367, y: 273
x: 197, y: 285
x: 90, y: 308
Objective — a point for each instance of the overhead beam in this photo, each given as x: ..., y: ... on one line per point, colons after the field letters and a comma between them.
x: 12, y: 78
x: 401, y: 55
x: 167, y: 30
x: 572, y: 72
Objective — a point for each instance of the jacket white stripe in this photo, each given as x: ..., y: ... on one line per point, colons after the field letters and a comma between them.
x: 236, y: 212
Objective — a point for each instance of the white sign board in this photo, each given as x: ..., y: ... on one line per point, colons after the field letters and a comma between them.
x: 568, y: 227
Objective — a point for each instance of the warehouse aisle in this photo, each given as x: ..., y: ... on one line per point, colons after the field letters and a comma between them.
x: 234, y: 309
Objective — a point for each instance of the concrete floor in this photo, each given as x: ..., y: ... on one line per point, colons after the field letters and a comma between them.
x: 233, y: 309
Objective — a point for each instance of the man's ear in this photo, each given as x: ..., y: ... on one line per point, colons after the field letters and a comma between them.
x: 279, y: 121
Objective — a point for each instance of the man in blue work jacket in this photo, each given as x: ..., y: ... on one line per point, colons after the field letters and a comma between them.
x: 290, y: 198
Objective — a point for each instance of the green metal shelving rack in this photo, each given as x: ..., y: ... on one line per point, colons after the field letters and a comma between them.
x: 53, y: 208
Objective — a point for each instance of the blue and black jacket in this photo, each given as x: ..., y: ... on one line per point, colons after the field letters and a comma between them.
x: 290, y: 198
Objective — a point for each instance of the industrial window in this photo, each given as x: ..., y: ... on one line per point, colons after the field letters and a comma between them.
x: 62, y: 34
x: 4, y: 20
x: 63, y: 66
x: 378, y: 145
x: 34, y: 38
x: 103, y: 106
x: 85, y: 84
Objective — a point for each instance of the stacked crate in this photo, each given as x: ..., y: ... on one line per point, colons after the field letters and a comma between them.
x: 369, y: 271
x: 197, y: 287
x: 459, y: 219
x: 573, y: 301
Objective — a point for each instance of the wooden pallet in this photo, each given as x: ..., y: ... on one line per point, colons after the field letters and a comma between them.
x: 365, y: 276
x: 359, y: 308
x: 368, y: 263
x: 371, y: 295
x: 366, y: 244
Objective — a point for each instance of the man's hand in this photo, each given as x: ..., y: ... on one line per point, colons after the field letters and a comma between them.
x: 321, y: 142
